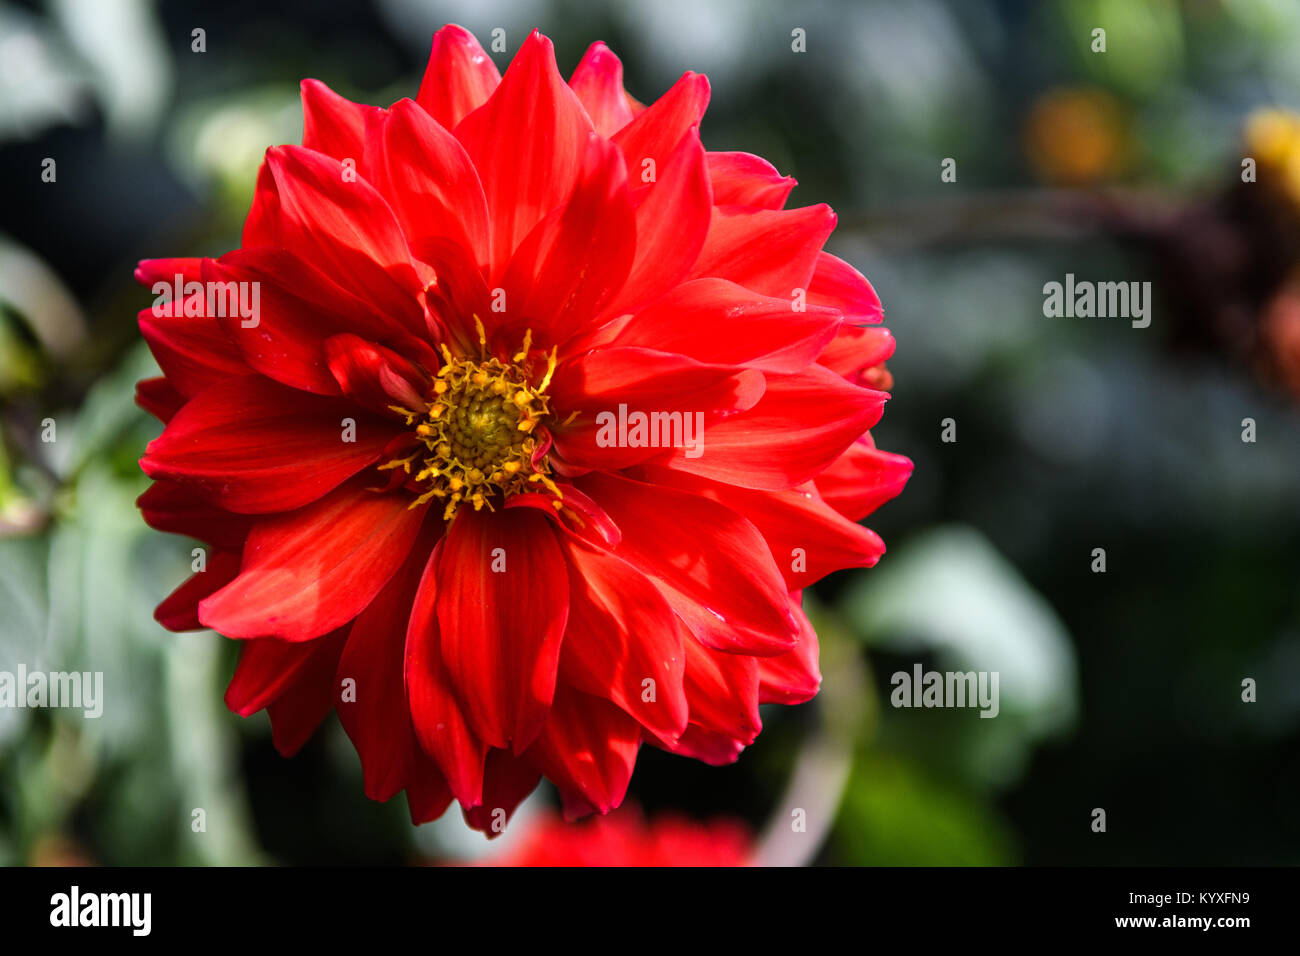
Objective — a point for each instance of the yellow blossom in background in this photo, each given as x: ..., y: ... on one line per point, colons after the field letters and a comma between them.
x: 1273, y: 141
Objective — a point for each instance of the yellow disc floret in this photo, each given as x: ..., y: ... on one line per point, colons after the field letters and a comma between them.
x: 477, y: 433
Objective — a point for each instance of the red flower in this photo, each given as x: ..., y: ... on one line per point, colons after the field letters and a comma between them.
x: 417, y: 461
x: 626, y: 839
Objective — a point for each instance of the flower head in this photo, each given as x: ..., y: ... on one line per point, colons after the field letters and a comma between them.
x: 515, y: 428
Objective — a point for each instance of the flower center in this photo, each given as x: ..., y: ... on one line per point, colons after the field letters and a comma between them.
x: 476, y: 434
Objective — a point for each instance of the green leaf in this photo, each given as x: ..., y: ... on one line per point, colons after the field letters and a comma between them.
x: 24, y: 620
x: 894, y: 814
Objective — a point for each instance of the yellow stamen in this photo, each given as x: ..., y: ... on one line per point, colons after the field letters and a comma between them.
x: 522, y: 354
x: 550, y: 370
x: 476, y: 434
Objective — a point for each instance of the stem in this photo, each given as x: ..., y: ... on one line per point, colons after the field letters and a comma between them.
x: 847, y: 708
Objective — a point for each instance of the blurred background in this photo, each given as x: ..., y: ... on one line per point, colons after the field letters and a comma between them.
x: 1119, y: 690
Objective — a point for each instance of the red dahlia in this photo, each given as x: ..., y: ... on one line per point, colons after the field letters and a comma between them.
x: 516, y: 426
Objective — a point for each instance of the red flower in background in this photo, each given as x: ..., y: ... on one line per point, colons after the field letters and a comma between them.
x: 398, y: 462
x: 625, y: 838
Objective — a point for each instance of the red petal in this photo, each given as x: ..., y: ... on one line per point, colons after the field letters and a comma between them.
x: 300, y: 308
x: 507, y: 780
x: 855, y: 348
x: 742, y: 179
x: 268, y: 668
x: 253, y: 446
x: 578, y: 257
x: 459, y: 293
x: 591, y: 523
x: 802, y: 423
x: 333, y: 124
x: 501, y: 629
x: 769, y: 251
x: 588, y: 750
x: 159, y: 398
x: 711, y: 565
x: 707, y: 746
x: 672, y: 221
x: 428, y: 179
x: 792, y: 677
x: 622, y: 633
x: 180, y: 509
x: 718, y: 322
x: 862, y: 479
x: 374, y: 376
x: 427, y: 792
x: 149, y: 271
x: 299, y: 710
x: 837, y: 284
x: 179, y: 611
x: 307, y: 204
x: 312, y: 570
x: 656, y: 131
x: 440, y: 725
x: 283, y: 342
x: 193, y: 351
x: 598, y: 84
x: 378, y: 718
x: 527, y: 142
x: 459, y: 77
x: 801, y: 530
x: 646, y: 381
x: 723, y: 692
